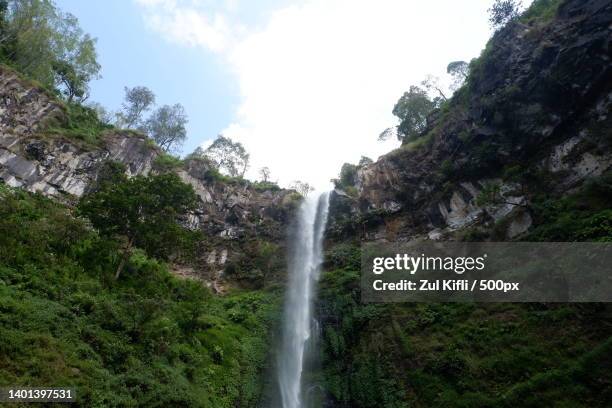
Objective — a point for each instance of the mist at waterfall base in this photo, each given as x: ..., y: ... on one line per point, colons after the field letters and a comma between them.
x: 300, y: 329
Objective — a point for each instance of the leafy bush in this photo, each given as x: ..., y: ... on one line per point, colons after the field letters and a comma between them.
x: 265, y: 186
x: 167, y: 162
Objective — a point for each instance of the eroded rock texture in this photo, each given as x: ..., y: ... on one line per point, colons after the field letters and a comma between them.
x: 537, y: 103
x: 231, y: 214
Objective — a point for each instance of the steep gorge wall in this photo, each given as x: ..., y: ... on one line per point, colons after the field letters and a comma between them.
x: 534, y: 116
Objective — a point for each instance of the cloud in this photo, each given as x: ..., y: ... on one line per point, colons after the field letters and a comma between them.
x: 187, y: 24
x: 318, y: 79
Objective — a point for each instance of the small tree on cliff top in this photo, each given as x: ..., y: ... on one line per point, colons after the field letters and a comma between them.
x: 503, y: 11
x: 137, y: 101
x: 167, y: 126
x: 141, y: 211
x: 302, y: 187
x: 412, y: 110
x: 229, y: 157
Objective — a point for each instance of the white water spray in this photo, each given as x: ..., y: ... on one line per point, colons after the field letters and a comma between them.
x: 304, y: 270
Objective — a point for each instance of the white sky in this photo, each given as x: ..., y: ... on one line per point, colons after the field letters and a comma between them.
x: 318, y: 79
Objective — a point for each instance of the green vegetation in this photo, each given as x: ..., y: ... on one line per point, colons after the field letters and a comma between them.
x: 347, y: 178
x: 540, y: 11
x: 265, y: 186
x: 81, y: 123
x: 472, y: 355
x: 166, y: 126
x: 48, y: 46
x: 167, y: 162
x: 458, y: 355
x: 503, y: 11
x: 148, y: 339
x: 228, y: 156
x: 582, y: 216
x: 141, y: 212
x: 412, y: 110
x: 426, y: 106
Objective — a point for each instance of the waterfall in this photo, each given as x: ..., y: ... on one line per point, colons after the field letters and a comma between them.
x: 298, y: 324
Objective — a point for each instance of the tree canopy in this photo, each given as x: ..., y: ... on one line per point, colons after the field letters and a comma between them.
x: 302, y: 187
x: 364, y: 161
x: 143, y: 211
x: 166, y: 126
x: 412, y: 110
x: 503, y: 11
x: 458, y: 70
x: 48, y: 45
x: 137, y: 101
x: 228, y: 156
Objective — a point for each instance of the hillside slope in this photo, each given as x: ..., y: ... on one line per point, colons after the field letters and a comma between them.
x: 151, y: 338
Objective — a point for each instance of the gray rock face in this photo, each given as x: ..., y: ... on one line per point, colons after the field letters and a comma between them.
x: 61, y: 168
x: 55, y: 166
x: 539, y: 103
x: 229, y: 213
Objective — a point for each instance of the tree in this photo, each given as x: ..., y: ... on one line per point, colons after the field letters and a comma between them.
x: 49, y: 46
x: 142, y: 211
x: 503, y: 11
x: 136, y: 102
x: 412, y: 110
x: 458, y: 70
x: 264, y: 172
x: 432, y: 84
x: 76, y: 59
x: 302, y: 187
x: 167, y: 126
x: 73, y: 84
x: 390, y: 133
x: 364, y: 161
x: 228, y: 156
x: 348, y: 174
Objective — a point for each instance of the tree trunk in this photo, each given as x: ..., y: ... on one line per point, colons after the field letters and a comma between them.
x: 124, y: 258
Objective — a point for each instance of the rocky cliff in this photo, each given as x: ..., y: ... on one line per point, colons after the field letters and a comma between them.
x: 521, y: 152
x: 37, y: 156
x: 533, y: 117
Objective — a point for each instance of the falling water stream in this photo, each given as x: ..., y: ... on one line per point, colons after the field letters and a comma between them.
x: 298, y: 324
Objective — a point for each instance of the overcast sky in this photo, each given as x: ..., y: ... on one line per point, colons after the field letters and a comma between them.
x: 305, y: 85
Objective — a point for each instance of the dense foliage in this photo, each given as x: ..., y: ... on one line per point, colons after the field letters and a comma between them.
x: 458, y: 355
x: 48, y: 46
x: 148, y: 339
x: 142, y: 211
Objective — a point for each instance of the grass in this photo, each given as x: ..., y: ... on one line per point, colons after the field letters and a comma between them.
x: 167, y: 162
x: 80, y: 123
